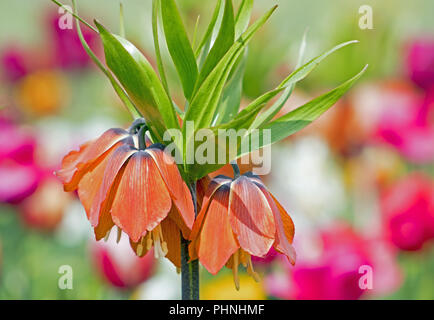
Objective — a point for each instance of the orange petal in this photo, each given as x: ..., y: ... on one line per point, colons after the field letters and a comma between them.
x: 115, y: 161
x: 142, y: 200
x: 212, y: 188
x: 104, y: 225
x: 172, y: 237
x: 79, y: 164
x: 90, y: 183
x: 251, y: 217
x: 217, y: 241
x: 201, y: 187
x: 284, y: 229
x: 69, y: 163
x: 178, y: 189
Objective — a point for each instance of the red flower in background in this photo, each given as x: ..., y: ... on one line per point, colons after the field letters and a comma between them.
x: 336, y: 272
x: 408, y: 211
x: 118, y: 264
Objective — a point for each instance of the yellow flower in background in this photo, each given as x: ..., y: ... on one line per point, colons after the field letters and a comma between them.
x: 42, y: 92
x: 222, y: 288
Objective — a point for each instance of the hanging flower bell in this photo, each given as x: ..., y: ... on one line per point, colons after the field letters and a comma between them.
x: 239, y: 218
x: 124, y: 180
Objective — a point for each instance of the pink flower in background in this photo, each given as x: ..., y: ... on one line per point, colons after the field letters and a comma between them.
x: 408, y: 211
x: 336, y: 272
x: 269, y: 257
x: 18, y: 171
x: 408, y: 126
x: 68, y: 51
x: 14, y: 64
x: 420, y: 62
x: 119, y: 265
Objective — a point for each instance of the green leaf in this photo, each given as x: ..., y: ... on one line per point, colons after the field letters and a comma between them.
x: 140, y: 81
x: 241, y: 121
x: 289, y: 82
x: 299, y: 118
x: 205, y: 101
x: 155, y: 8
x: 208, y: 33
x: 118, y: 89
x: 304, y: 70
x: 224, y: 41
x: 243, y: 17
x: 179, y: 46
x: 231, y: 96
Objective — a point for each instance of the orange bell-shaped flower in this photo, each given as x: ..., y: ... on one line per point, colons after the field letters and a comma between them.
x: 140, y: 190
x: 239, y: 218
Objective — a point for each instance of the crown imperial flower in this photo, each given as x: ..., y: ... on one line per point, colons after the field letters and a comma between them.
x: 139, y: 189
x: 239, y: 219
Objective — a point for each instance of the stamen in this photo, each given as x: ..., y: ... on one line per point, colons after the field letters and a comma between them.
x: 119, y: 235
x: 251, y: 271
x: 235, y: 270
x: 243, y: 258
x: 107, y: 235
x: 164, y: 247
x: 139, y: 249
x: 158, y: 250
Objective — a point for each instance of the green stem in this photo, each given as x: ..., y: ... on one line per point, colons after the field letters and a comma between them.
x: 189, y: 270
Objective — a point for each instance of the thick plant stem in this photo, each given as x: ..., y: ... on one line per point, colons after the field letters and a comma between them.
x: 189, y: 271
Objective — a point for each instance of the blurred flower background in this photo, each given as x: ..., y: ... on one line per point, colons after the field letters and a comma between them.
x: 359, y: 183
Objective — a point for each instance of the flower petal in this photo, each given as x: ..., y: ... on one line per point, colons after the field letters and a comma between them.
x: 217, y: 241
x: 90, y: 183
x: 284, y: 228
x: 172, y: 237
x: 115, y: 161
x: 76, y: 163
x: 212, y: 188
x: 142, y: 200
x: 105, y: 224
x: 251, y: 217
x: 177, y: 187
x: 201, y: 187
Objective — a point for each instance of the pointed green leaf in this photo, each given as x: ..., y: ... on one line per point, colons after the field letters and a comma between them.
x: 299, y: 118
x: 140, y: 81
x: 242, y: 121
x: 289, y: 83
x: 208, y: 33
x: 243, y: 17
x: 179, y: 46
x: 155, y: 8
x: 231, y: 96
x: 118, y: 89
x: 224, y: 41
x: 205, y: 101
